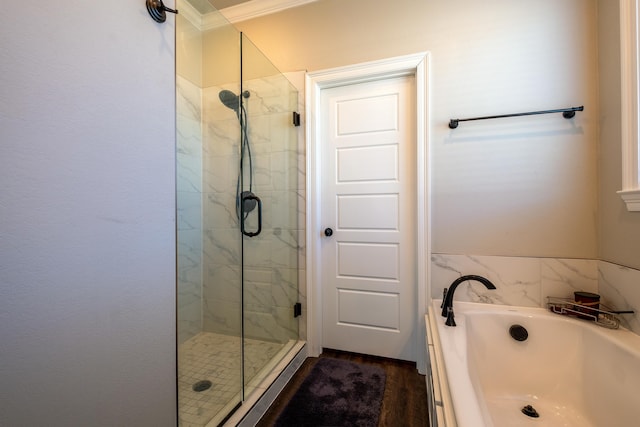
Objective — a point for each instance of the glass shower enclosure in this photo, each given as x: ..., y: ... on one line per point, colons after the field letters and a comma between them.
x: 237, y: 216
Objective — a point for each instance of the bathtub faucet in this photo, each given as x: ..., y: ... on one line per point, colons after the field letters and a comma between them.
x: 447, y: 304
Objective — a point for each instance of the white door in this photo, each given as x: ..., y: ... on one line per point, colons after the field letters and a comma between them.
x: 368, y: 160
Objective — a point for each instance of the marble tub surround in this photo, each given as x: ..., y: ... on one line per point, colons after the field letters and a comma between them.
x: 527, y: 282
x: 619, y: 287
x: 519, y: 281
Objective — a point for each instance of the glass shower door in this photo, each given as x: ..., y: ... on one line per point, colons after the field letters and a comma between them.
x: 237, y: 217
x: 270, y: 216
x: 209, y: 283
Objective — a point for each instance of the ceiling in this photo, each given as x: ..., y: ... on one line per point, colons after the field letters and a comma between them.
x: 258, y: 4
x: 222, y: 4
x: 239, y: 10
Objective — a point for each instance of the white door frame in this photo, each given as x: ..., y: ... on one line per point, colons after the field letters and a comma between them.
x: 416, y: 65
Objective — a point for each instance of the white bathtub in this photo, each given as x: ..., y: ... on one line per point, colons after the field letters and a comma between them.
x: 571, y: 371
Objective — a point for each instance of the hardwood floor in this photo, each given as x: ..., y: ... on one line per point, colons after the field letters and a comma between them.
x: 405, y: 396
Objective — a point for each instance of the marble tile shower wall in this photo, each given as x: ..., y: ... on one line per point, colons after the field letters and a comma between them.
x: 270, y: 259
x: 528, y: 281
x: 189, y: 221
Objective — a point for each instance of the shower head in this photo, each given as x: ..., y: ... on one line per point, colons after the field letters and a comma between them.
x: 231, y: 100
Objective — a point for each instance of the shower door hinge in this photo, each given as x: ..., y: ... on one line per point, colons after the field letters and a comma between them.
x: 297, y: 309
x: 296, y: 119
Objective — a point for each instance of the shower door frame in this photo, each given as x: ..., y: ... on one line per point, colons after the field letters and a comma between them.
x: 283, y: 138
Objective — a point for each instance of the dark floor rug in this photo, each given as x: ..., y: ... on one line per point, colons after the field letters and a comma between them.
x: 336, y: 393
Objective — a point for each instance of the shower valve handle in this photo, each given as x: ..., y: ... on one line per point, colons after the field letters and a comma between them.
x: 250, y: 196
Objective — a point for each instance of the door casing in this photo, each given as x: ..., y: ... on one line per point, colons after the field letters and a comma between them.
x: 416, y: 65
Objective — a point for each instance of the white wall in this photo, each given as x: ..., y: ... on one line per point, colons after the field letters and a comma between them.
x: 619, y: 238
x: 538, y: 190
x: 520, y: 187
x: 87, y: 215
x: 523, y: 186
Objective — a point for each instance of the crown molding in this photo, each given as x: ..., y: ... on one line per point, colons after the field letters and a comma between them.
x: 208, y: 21
x: 190, y: 14
x: 256, y: 8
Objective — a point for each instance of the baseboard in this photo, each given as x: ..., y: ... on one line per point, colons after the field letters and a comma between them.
x: 262, y: 405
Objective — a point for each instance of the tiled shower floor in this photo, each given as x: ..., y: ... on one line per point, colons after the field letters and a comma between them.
x: 215, y: 357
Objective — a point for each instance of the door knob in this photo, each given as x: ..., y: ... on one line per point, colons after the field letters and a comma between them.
x: 328, y: 232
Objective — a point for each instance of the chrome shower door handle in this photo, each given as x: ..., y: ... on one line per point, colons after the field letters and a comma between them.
x: 250, y: 196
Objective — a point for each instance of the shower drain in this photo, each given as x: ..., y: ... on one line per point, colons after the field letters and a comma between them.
x: 202, y: 385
